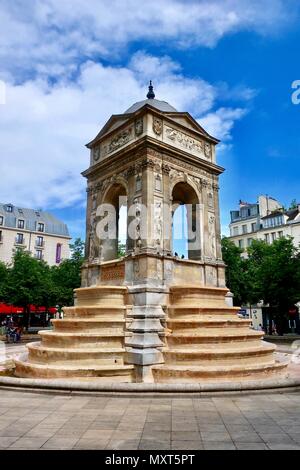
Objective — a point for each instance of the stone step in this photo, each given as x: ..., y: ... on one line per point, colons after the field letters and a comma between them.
x: 38, y: 353
x: 191, y: 374
x: 109, y: 373
x: 211, y: 335
x: 251, y: 355
x: 100, y: 295
x: 76, y: 339
x: 193, y: 325
x: 224, y: 346
x: 189, y: 312
x: 195, y: 295
x: 89, y: 324
x: 104, y: 311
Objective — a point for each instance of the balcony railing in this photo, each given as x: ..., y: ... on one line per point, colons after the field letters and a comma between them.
x: 40, y: 244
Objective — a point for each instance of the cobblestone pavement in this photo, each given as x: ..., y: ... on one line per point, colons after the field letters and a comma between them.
x: 56, y: 421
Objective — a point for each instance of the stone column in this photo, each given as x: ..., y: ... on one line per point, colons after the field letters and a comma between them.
x: 147, y: 295
x: 145, y: 345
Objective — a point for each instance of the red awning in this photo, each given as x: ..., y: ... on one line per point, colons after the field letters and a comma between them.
x: 6, y: 309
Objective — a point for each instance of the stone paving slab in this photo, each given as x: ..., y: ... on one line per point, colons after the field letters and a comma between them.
x: 48, y: 421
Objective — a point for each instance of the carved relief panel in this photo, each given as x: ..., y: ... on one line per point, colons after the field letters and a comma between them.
x: 158, y: 222
x: 211, y: 248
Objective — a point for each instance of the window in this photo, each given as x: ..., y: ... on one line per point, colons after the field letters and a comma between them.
x: 241, y: 243
x: 249, y: 241
x: 21, y: 223
x: 9, y: 208
x: 235, y: 230
x: 253, y: 210
x: 245, y: 212
x: 280, y: 234
x: 39, y: 254
x: 40, y: 241
x: 244, y: 228
x: 40, y: 227
x: 1, y: 219
x: 273, y: 235
x: 273, y: 221
x: 253, y: 227
x: 58, y: 253
x: 20, y: 239
x: 0, y: 236
x: 267, y: 238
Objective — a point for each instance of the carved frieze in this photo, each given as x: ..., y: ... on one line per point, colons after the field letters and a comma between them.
x: 187, y: 166
x: 96, y: 153
x: 185, y: 141
x: 153, y: 153
x: 117, y: 141
x: 166, y: 168
x: 207, y: 150
x: 138, y: 126
x: 157, y: 125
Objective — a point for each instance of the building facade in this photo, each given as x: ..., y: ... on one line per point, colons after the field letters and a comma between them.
x: 265, y: 220
x: 39, y: 232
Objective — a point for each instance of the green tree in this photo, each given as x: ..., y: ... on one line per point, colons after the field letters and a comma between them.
x: 121, y: 250
x: 275, y: 272
x: 28, y: 282
x: 67, y: 276
x: 3, y: 280
x: 237, y: 279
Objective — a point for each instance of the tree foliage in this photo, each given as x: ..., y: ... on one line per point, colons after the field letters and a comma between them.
x: 235, y: 272
x: 67, y: 276
x: 271, y: 273
x: 3, y: 279
x: 29, y: 281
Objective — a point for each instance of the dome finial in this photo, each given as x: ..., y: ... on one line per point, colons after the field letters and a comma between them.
x: 150, y: 94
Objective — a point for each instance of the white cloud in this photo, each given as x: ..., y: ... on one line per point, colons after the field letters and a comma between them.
x: 53, y: 36
x: 221, y: 122
x: 43, y: 127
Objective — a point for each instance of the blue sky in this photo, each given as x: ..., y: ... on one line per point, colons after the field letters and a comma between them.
x: 67, y: 66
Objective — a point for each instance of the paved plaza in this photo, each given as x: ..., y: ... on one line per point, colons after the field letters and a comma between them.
x: 64, y: 421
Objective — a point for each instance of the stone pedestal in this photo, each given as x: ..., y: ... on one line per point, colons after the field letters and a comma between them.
x: 144, y: 347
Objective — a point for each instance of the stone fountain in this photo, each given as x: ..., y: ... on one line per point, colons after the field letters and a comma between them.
x: 151, y: 315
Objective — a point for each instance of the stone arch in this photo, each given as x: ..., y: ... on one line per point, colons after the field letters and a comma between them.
x: 114, y: 197
x: 109, y: 183
x: 184, y: 193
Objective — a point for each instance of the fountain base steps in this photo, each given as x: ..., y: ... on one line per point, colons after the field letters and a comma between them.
x: 206, y: 341
x: 88, y: 342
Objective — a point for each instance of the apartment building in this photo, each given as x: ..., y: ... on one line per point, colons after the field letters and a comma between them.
x: 264, y: 220
x: 37, y: 231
